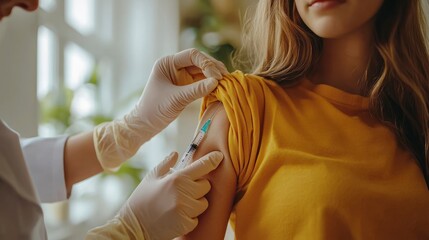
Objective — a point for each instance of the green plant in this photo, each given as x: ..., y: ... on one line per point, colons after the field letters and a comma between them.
x: 55, y: 110
x: 208, y: 24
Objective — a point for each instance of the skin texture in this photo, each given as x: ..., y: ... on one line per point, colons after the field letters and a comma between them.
x: 80, y: 159
x: 336, y: 22
x: 213, y: 222
x: 346, y: 30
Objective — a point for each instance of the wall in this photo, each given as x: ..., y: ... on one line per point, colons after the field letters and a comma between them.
x: 18, y: 68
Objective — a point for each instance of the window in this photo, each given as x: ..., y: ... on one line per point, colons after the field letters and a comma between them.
x: 94, y: 57
x: 73, y: 42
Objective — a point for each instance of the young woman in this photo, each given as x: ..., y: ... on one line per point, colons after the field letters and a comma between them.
x: 328, y: 138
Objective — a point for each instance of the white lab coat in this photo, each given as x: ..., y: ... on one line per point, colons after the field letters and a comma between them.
x: 22, y: 182
x: 45, y: 161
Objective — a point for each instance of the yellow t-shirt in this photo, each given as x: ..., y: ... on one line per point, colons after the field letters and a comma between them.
x: 313, y: 164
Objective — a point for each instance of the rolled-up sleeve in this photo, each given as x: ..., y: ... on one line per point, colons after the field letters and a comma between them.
x: 45, y: 160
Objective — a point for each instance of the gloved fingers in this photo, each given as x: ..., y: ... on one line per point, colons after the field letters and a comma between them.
x: 194, y: 207
x: 198, y: 89
x: 219, y: 64
x: 188, y: 224
x: 195, y: 189
x: 202, y: 187
x: 192, y: 57
x: 164, y: 167
x: 195, y: 73
x: 203, y: 165
x: 189, y: 57
x: 193, y: 70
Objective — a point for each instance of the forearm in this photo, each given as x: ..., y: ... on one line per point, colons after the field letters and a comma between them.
x: 80, y: 159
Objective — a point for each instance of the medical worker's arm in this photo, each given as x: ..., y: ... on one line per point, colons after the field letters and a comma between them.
x: 165, y: 205
x: 213, y: 222
x: 114, y: 142
x: 80, y: 160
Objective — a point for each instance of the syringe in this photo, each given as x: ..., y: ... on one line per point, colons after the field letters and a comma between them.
x: 187, y: 156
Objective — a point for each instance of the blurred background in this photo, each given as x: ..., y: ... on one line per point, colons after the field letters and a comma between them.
x: 73, y: 64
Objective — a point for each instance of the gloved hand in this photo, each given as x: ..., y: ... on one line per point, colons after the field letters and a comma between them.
x: 160, y: 104
x: 164, y: 205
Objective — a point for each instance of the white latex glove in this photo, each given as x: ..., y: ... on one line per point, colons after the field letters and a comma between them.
x: 164, y: 205
x: 160, y: 104
x: 167, y: 206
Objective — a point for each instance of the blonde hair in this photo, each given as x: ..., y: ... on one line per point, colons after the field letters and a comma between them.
x: 278, y: 45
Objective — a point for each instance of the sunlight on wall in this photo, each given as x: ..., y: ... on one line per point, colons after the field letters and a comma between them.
x: 47, y: 45
x: 81, y: 14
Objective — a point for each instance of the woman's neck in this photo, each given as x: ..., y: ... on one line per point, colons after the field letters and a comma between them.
x: 344, y: 60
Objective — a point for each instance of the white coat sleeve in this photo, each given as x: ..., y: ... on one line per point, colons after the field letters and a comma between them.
x: 45, y: 161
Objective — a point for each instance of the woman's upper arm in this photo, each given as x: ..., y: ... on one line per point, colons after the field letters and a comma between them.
x: 213, y: 222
